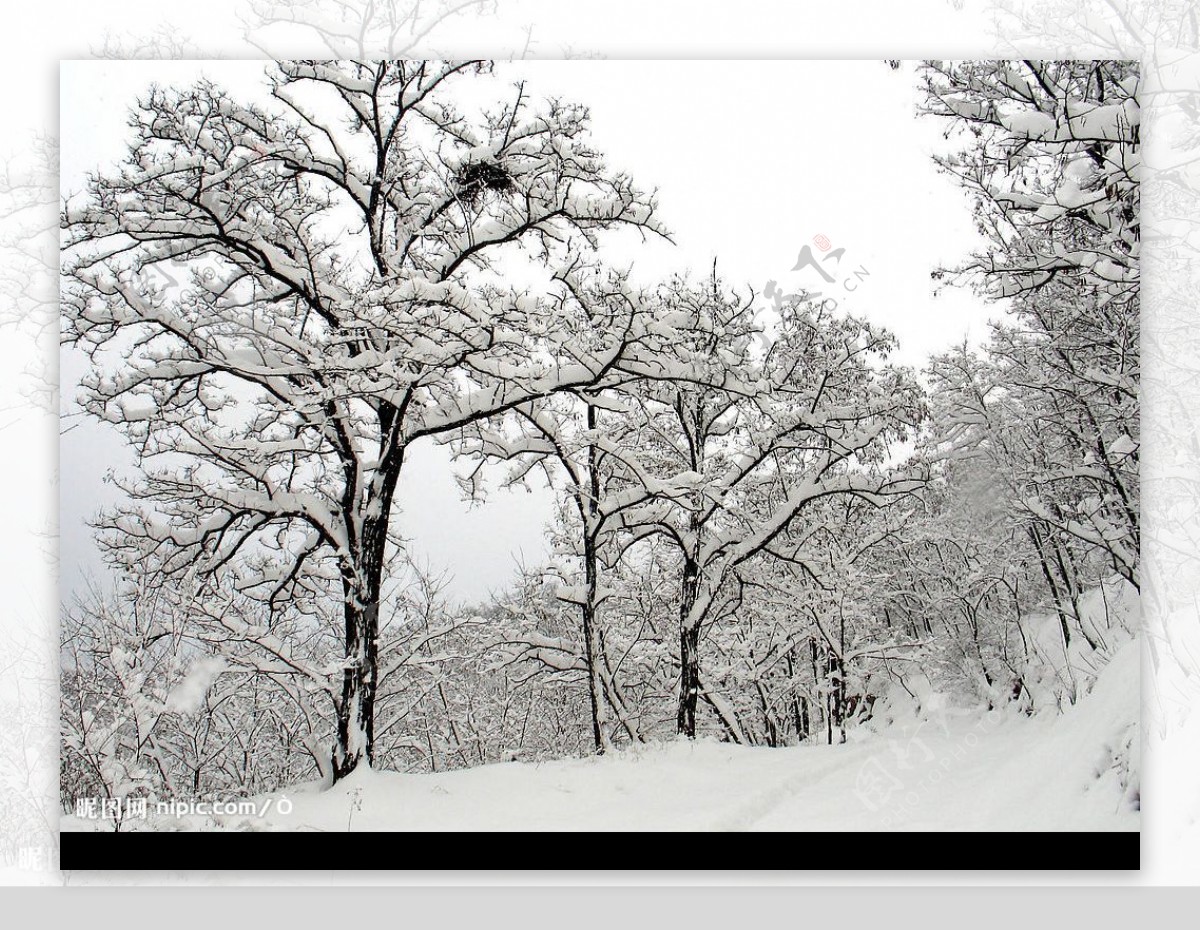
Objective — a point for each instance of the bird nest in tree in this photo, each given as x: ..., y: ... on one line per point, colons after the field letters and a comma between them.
x: 477, y: 178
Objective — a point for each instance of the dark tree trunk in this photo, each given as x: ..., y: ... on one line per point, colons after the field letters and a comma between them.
x: 841, y: 679
x: 835, y: 694
x: 592, y: 647
x: 835, y: 675
x: 770, y: 726
x: 799, y: 704
x: 592, y: 643
x: 1061, y: 609
x: 356, y: 710
x: 367, y: 508
x: 822, y: 706
x: 362, y: 581
x: 1068, y: 571
x: 689, y: 653
x: 689, y: 680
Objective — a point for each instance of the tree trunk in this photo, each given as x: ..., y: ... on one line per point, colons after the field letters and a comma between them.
x: 820, y: 701
x: 356, y: 710
x: 799, y: 704
x: 361, y: 584
x: 1064, y: 624
x: 689, y: 653
x: 689, y: 680
x: 592, y: 645
x: 770, y: 727
x: 841, y: 678
x: 367, y: 506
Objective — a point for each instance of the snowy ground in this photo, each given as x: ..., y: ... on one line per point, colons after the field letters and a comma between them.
x: 959, y: 772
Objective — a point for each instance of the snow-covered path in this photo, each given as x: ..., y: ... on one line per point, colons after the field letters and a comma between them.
x: 1017, y: 776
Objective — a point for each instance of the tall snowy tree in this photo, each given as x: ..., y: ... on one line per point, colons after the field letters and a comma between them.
x: 737, y: 460
x: 281, y: 298
x: 566, y: 438
x: 597, y: 445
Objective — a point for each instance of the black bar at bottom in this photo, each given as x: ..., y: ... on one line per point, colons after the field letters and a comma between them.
x: 300, y: 851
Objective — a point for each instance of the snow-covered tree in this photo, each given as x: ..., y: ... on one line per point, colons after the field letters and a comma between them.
x: 1051, y: 154
x: 280, y: 298
x: 1034, y: 509
x: 812, y: 641
x: 589, y: 445
x: 156, y: 703
x: 738, y: 460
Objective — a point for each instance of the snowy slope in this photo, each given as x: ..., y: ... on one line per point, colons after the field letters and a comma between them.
x: 962, y: 772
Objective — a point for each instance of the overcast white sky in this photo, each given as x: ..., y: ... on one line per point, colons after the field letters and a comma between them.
x: 751, y: 159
